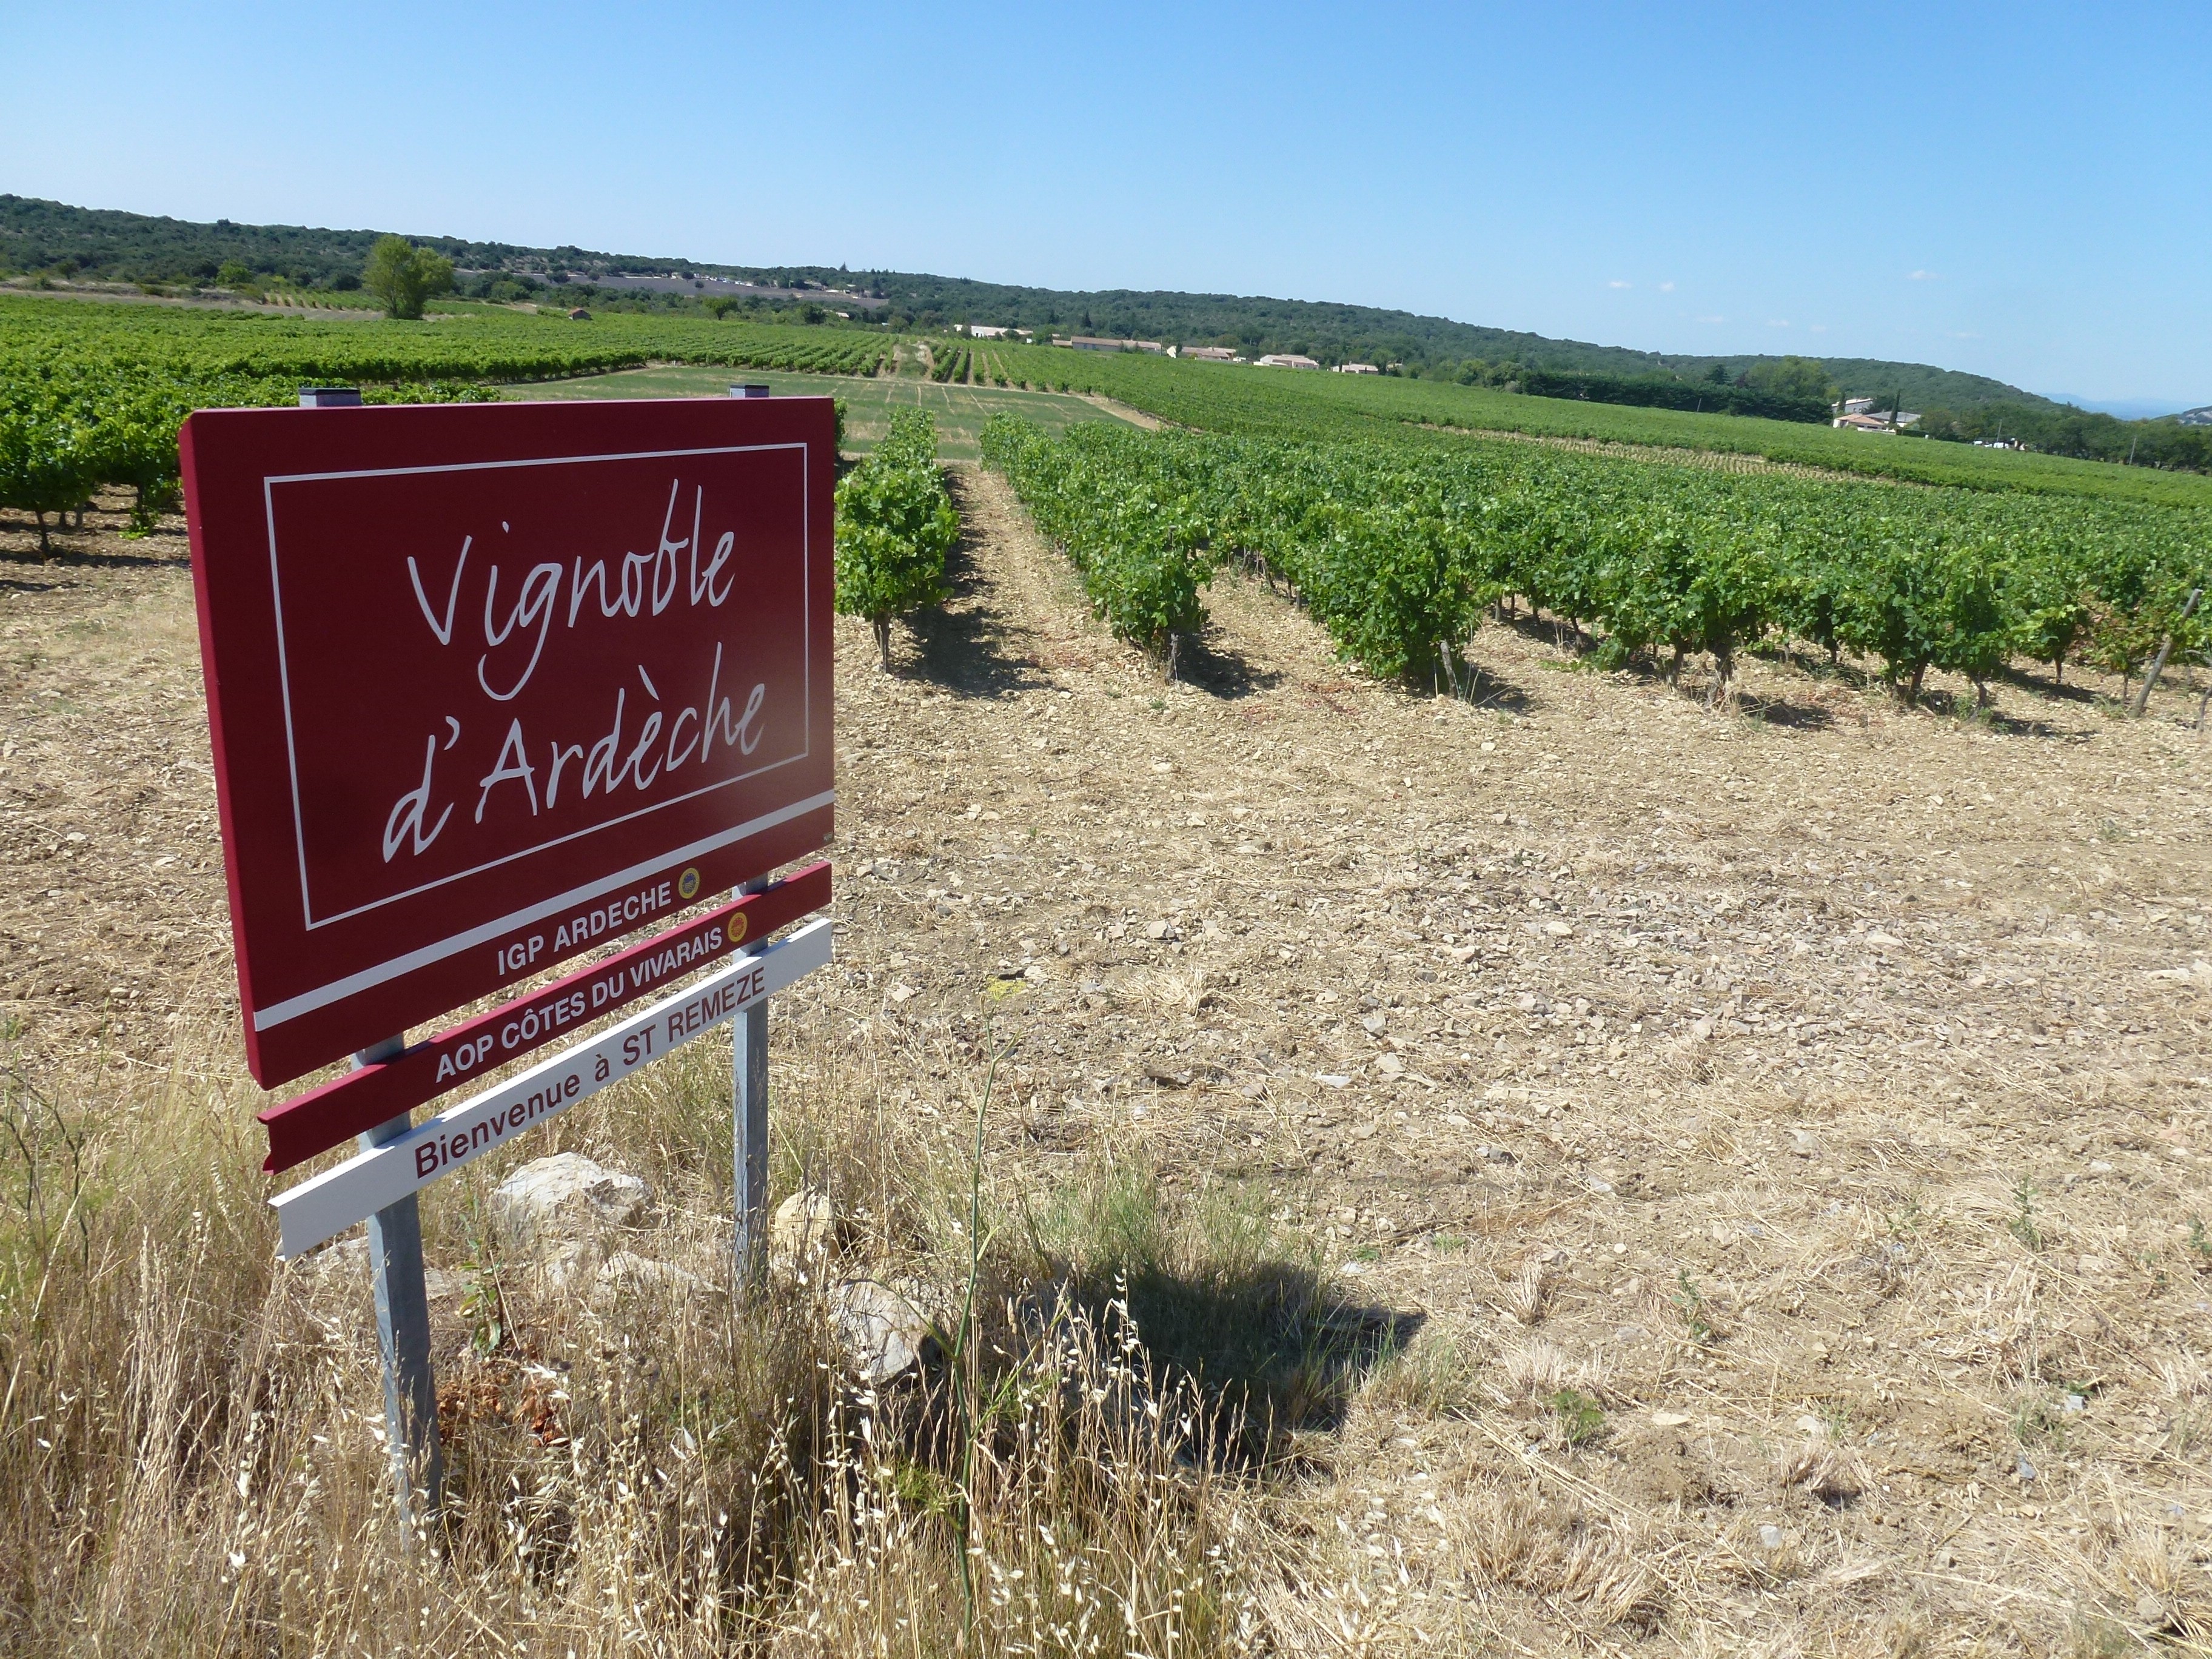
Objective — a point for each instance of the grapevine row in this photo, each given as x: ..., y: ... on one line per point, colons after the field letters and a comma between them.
x: 1401, y: 551
x: 895, y: 525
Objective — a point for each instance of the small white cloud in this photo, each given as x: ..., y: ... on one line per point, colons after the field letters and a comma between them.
x: 1923, y: 277
x: 1712, y: 319
x: 1966, y: 336
x: 1617, y: 282
x: 1777, y: 322
x: 1666, y: 287
x: 1816, y: 328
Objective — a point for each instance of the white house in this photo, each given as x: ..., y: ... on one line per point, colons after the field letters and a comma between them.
x: 1286, y: 360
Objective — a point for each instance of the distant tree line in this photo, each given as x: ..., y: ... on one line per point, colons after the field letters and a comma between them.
x: 1790, y: 389
x: 2078, y: 432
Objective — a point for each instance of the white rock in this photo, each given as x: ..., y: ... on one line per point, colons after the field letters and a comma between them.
x: 881, y: 1333
x: 802, y: 1232
x: 559, y: 1201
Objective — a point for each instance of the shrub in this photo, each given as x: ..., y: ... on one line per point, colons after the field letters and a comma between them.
x: 895, y: 526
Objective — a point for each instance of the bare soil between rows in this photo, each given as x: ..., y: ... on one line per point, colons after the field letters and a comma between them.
x: 1825, y: 1075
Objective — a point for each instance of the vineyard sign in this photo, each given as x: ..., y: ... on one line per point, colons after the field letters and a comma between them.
x: 493, y: 684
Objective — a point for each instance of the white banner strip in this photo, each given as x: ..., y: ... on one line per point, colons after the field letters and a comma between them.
x: 324, y: 1208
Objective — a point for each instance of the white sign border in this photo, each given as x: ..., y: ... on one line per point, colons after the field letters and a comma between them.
x: 284, y: 672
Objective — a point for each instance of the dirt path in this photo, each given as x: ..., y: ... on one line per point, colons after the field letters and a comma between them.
x: 1787, y: 1132
x: 1134, y: 416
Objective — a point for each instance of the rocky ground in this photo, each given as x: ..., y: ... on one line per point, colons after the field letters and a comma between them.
x: 1785, y: 1130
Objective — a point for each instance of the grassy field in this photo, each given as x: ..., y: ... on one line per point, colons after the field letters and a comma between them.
x: 960, y: 411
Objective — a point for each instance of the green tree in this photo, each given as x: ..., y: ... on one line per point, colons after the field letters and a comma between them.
x: 401, y: 276
x: 1794, y: 377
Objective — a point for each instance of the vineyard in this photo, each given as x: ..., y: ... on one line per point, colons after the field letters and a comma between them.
x: 1282, y: 404
x: 92, y: 395
x: 1401, y: 551
x: 1398, y: 533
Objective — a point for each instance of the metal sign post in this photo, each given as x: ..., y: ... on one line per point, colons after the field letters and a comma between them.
x: 403, y: 1337
x: 749, y: 1133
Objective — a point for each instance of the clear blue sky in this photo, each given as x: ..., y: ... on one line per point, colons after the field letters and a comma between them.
x: 2018, y: 190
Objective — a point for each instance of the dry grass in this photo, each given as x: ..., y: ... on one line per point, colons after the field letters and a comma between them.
x: 1797, y: 1254
x: 194, y: 1437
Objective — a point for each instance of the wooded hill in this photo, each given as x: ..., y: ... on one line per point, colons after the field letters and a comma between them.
x: 51, y: 237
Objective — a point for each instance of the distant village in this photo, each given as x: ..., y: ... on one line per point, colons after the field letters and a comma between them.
x: 1859, y: 414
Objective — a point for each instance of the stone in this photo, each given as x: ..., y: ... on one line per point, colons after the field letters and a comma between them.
x: 627, y: 1270
x: 802, y: 1233
x: 565, y: 1200
x: 882, y: 1334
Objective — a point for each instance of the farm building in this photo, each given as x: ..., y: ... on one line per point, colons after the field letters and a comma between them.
x: 1209, y: 354
x: 985, y: 332
x: 1286, y: 360
x: 1092, y: 343
x: 1358, y: 369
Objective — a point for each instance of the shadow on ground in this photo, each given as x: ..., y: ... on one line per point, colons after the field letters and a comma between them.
x: 1222, y: 673
x: 72, y: 559
x: 1270, y: 1346
x: 961, y: 645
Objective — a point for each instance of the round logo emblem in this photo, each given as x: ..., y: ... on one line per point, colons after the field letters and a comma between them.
x: 687, y: 884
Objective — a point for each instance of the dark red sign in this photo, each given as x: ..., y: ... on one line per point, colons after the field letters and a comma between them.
x: 341, y: 1108
x: 491, y: 684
